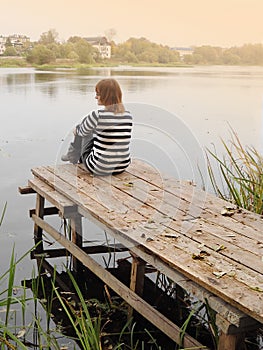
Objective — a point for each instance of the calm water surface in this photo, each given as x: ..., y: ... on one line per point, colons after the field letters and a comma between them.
x: 177, y: 113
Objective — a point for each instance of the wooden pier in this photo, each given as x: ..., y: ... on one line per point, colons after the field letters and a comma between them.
x: 203, y: 244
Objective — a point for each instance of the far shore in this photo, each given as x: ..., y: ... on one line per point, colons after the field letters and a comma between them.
x: 20, y: 62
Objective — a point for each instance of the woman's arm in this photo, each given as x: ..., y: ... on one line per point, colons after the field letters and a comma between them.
x: 87, y: 125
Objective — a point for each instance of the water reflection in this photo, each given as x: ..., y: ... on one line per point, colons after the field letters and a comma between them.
x: 83, y: 82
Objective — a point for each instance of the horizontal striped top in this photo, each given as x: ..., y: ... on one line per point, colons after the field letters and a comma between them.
x: 111, y: 141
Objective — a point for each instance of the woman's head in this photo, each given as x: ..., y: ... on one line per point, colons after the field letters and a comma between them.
x: 109, y: 94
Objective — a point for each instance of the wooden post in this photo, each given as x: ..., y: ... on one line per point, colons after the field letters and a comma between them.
x: 233, y: 337
x: 137, y: 278
x: 180, y: 297
x: 40, y: 202
x: 231, y: 342
x: 76, y: 237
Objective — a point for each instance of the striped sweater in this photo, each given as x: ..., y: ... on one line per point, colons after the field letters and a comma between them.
x: 111, y: 140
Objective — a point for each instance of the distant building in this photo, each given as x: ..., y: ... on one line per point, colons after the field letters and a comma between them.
x: 183, y: 51
x: 15, y: 40
x: 18, y: 40
x: 101, y: 44
x: 2, y: 44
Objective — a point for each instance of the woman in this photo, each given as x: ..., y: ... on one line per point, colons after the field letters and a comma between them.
x: 102, y: 139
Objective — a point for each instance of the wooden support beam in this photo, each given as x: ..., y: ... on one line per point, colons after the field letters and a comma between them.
x: 231, y: 342
x: 98, y: 249
x: 76, y: 237
x: 39, y: 212
x: 47, y: 211
x: 137, y: 275
x: 146, y: 310
x: 65, y: 206
x: 246, y: 324
x: 137, y: 278
x: 26, y: 190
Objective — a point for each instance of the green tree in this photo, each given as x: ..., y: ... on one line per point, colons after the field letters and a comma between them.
x: 66, y: 49
x: 40, y: 54
x: 10, y: 51
x: 84, y: 51
x: 142, y: 50
x: 208, y: 54
x: 230, y: 58
x: 8, y: 42
x: 74, y: 39
x: 49, y: 37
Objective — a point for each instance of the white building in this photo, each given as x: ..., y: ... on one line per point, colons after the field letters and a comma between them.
x: 101, y: 44
x: 183, y: 51
x: 15, y: 40
x: 18, y: 40
x: 2, y: 44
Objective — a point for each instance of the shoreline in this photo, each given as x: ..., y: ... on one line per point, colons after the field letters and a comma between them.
x: 20, y: 62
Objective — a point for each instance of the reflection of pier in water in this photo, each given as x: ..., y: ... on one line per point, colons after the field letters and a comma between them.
x: 103, y: 303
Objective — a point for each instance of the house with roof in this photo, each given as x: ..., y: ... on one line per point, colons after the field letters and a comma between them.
x: 101, y: 44
x: 183, y: 50
x: 14, y: 40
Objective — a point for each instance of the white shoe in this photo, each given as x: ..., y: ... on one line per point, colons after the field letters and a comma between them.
x: 65, y: 158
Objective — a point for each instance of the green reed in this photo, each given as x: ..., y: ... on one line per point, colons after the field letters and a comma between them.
x: 3, y: 214
x: 241, y: 171
x: 8, y: 328
x: 87, y: 330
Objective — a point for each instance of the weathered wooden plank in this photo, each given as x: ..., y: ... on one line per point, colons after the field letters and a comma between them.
x: 227, y: 311
x: 130, y: 297
x: 209, y: 206
x: 64, y: 205
x: 251, y: 253
x: 217, y: 236
x: 26, y: 190
x: 221, y: 233
x: 188, y: 266
x: 142, y: 170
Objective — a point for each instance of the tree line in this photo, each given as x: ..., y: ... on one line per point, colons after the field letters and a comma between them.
x: 48, y: 50
x: 248, y: 54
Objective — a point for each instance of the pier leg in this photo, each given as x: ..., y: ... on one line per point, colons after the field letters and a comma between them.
x: 231, y: 342
x: 40, y: 202
x: 232, y: 337
x: 137, y: 278
x: 76, y: 236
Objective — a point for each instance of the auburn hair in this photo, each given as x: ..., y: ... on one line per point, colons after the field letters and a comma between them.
x: 110, y: 95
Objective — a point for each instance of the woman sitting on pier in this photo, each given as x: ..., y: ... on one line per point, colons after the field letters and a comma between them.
x: 102, y: 139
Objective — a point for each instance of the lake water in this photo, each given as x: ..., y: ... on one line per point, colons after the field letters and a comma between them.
x: 177, y: 113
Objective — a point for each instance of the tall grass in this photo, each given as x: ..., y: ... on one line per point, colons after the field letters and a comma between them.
x: 9, y: 337
x: 241, y: 171
x: 87, y: 330
x: 3, y: 214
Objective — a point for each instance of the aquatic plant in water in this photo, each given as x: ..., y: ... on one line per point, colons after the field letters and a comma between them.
x: 241, y: 170
x: 10, y: 333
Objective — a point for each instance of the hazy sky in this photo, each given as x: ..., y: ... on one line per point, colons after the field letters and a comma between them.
x: 173, y: 22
